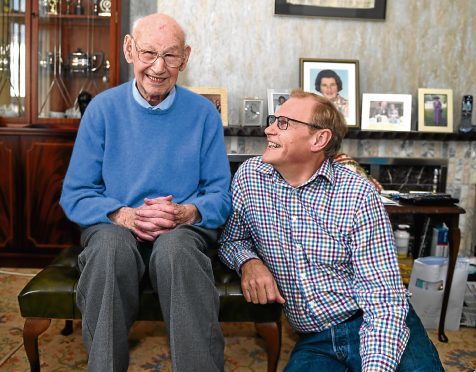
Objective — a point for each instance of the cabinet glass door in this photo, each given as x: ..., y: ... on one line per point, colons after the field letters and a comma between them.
x: 13, y: 61
x: 73, y: 56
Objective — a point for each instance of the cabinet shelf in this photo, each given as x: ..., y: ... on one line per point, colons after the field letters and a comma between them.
x: 12, y: 15
x: 77, y: 20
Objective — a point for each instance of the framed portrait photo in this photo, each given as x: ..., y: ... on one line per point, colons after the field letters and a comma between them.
x: 386, y: 112
x: 337, y: 80
x: 276, y: 97
x: 435, y: 110
x: 252, y: 112
x: 373, y: 9
x: 218, y: 96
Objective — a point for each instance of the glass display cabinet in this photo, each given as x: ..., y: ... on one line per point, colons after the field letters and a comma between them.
x: 51, y: 51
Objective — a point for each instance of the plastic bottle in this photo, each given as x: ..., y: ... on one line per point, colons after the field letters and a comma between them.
x: 402, y: 238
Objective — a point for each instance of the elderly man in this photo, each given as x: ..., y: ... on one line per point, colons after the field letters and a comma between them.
x: 313, y: 235
x: 148, y: 182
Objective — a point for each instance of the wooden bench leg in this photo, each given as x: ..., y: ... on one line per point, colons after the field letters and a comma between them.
x: 68, y: 327
x: 271, y: 333
x: 33, y: 328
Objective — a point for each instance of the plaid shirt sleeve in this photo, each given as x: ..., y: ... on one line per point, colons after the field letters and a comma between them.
x: 236, y: 246
x: 378, y: 288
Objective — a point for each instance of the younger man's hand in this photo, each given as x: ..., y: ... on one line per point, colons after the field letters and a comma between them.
x: 258, y: 283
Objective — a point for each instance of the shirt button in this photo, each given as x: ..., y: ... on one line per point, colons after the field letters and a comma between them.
x: 294, y: 218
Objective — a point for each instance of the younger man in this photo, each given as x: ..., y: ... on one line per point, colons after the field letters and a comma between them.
x: 310, y: 234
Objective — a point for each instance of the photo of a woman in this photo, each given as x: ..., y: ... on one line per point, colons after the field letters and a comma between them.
x: 337, y: 80
x: 329, y: 84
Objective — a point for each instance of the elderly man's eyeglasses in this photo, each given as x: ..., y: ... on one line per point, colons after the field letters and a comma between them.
x: 283, y: 122
x: 150, y: 56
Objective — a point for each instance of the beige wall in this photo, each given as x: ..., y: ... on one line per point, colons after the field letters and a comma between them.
x: 242, y: 46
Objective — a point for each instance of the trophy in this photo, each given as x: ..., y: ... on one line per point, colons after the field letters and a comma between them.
x: 95, y: 8
x: 5, y: 58
x: 68, y: 7
x: 79, y: 9
x: 44, y: 7
x: 105, y: 7
x: 465, y: 126
x: 53, y: 7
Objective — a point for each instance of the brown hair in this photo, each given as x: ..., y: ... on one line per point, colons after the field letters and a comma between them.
x: 327, y: 116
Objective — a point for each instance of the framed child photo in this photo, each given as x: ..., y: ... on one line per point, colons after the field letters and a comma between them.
x: 435, y: 110
x: 337, y: 80
x: 386, y: 112
x: 276, y: 97
x: 218, y: 96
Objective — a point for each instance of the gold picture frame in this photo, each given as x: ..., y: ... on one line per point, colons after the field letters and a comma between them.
x: 435, y: 110
x: 218, y: 96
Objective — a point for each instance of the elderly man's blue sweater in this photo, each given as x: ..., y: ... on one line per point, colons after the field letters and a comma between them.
x: 124, y: 153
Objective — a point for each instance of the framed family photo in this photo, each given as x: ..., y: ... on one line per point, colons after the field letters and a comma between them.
x: 276, y: 97
x: 435, y: 110
x: 386, y: 112
x: 219, y: 97
x: 337, y: 80
x: 372, y: 9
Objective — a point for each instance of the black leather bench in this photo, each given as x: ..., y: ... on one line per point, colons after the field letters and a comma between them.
x: 51, y: 294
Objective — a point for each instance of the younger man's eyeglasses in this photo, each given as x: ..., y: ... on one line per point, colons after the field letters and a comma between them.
x: 283, y: 122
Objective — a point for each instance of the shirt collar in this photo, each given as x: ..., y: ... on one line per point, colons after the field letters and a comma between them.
x: 326, y: 172
x: 164, y: 105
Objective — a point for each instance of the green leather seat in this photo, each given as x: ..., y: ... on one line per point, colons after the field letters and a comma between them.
x: 51, y: 294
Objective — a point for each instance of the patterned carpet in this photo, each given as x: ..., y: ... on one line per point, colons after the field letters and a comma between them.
x: 244, y: 350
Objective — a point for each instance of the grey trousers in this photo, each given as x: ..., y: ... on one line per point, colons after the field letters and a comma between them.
x: 111, y: 268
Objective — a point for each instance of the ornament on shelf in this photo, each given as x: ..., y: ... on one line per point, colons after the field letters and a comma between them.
x: 465, y: 126
x: 105, y: 8
x: 53, y: 7
x: 68, y: 7
x: 79, y: 9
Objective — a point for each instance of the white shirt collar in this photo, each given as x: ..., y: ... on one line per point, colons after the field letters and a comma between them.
x: 164, y: 105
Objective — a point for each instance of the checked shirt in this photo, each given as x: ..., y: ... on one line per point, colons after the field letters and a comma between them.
x: 329, y: 245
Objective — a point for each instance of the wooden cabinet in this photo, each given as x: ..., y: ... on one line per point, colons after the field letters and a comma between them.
x: 33, y: 227
x: 50, y: 52
x: 9, y: 221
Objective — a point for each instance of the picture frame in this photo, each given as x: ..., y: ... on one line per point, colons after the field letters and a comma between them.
x: 435, y: 110
x: 252, y: 112
x: 386, y: 112
x: 339, y: 81
x: 276, y: 97
x: 218, y: 96
x: 317, y: 8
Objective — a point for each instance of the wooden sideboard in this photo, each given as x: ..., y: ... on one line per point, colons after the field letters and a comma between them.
x: 33, y: 227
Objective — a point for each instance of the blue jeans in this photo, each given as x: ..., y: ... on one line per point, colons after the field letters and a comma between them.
x: 337, y: 349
